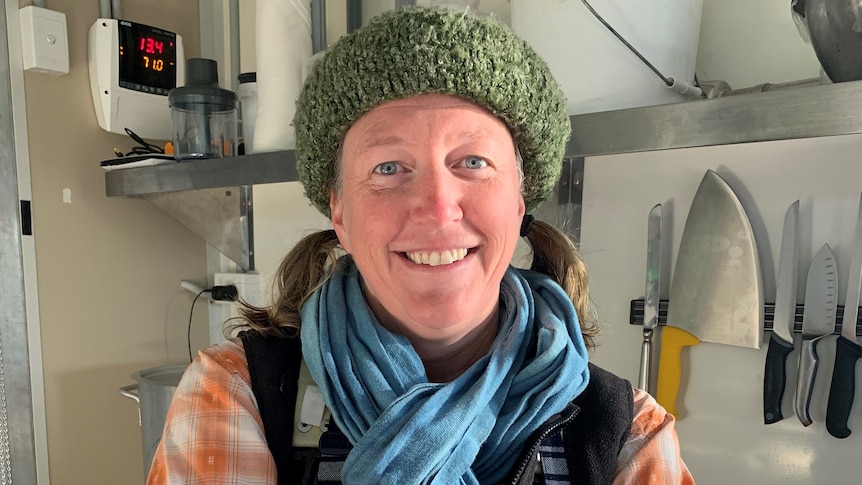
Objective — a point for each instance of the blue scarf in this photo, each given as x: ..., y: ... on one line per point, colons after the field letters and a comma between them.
x: 471, y: 430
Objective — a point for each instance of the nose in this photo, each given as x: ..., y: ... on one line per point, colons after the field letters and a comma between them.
x: 437, y: 198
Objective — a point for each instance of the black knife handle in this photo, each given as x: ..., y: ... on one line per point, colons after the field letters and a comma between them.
x: 774, y: 379
x: 843, y: 387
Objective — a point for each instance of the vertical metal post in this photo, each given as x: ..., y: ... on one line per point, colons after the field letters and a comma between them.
x: 233, y: 18
x: 354, y: 15
x: 318, y: 26
x: 17, y: 442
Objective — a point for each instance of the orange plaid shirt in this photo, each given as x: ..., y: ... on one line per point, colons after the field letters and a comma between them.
x: 214, y: 434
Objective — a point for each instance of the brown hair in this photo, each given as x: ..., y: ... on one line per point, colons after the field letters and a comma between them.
x: 310, y: 263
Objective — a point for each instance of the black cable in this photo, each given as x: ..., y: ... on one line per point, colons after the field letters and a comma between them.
x: 191, y: 312
x: 143, y: 147
x: 664, y: 79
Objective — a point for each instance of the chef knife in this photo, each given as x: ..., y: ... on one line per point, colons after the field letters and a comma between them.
x: 716, y: 294
x: 818, y: 321
x: 781, y: 342
x: 651, y: 296
x: 847, y: 348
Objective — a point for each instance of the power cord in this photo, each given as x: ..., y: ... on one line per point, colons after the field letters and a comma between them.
x: 218, y: 293
x: 143, y: 147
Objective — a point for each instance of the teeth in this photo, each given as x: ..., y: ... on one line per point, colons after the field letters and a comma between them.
x: 434, y: 258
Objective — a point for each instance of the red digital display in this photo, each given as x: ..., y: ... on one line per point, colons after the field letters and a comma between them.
x: 148, y: 57
x: 151, y: 45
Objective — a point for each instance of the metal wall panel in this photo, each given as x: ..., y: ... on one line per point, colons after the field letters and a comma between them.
x: 17, y: 449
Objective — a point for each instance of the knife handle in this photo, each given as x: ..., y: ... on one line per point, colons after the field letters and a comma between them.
x: 646, y: 361
x: 843, y: 387
x: 774, y: 379
x: 808, y: 362
x: 673, y: 340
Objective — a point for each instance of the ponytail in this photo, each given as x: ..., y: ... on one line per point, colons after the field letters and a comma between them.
x: 555, y: 255
x: 305, y: 268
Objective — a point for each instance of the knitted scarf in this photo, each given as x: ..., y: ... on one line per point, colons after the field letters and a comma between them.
x: 470, y: 430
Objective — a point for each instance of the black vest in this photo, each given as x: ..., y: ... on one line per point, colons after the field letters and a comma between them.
x: 594, y: 426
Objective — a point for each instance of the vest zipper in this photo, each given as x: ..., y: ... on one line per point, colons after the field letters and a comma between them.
x: 534, y: 447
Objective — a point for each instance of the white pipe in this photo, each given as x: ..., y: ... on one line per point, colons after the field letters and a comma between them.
x: 192, y: 287
x: 685, y: 88
x: 105, y: 9
x: 115, y: 9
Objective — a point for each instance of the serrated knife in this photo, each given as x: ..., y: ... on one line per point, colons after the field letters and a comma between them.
x: 847, y: 348
x: 651, y: 295
x: 781, y: 342
x: 818, y: 321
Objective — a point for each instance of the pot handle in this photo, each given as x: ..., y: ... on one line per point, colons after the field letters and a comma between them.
x: 131, y: 392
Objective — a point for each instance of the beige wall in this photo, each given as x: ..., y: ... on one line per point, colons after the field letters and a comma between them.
x: 108, y: 269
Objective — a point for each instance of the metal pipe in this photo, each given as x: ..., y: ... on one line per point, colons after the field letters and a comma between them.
x: 318, y: 26
x: 762, y: 88
x: 116, y: 11
x: 105, y: 9
x: 235, y: 51
x: 354, y: 15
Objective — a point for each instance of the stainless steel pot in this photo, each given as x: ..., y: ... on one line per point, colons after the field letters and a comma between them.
x: 154, y: 389
x: 835, y: 30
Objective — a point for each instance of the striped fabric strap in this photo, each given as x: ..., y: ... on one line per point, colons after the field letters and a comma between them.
x: 554, y: 466
x: 553, y: 457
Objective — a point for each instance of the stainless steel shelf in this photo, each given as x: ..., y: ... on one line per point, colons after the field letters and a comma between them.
x: 254, y: 169
x: 804, y: 112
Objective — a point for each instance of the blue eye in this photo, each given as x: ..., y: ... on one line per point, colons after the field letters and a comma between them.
x: 475, y: 162
x: 386, y: 168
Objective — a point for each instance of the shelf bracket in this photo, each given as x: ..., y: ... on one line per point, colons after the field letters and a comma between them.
x: 223, y: 217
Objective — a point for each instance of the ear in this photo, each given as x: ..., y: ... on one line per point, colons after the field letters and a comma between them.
x: 336, y: 211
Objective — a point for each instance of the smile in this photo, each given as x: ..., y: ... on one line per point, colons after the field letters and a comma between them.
x: 435, y: 258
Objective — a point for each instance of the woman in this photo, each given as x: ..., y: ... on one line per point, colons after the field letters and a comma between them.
x: 427, y: 137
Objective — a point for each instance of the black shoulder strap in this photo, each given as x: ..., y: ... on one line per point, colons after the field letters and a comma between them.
x: 594, y: 440
x: 274, y: 364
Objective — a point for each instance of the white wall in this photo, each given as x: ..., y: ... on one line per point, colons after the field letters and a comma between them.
x: 721, y: 430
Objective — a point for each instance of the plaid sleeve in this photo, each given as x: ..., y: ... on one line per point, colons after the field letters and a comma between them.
x: 213, y: 431
x: 651, y: 454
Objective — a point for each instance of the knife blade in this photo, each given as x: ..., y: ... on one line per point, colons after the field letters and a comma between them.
x: 716, y: 294
x: 847, y: 348
x: 818, y: 321
x: 651, y: 295
x: 781, y: 342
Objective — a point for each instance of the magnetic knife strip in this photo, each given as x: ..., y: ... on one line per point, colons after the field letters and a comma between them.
x: 636, y: 316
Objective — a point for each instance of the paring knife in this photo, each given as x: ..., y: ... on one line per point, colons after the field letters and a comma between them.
x: 717, y: 293
x: 847, y: 348
x: 818, y: 321
x: 651, y: 298
x: 781, y: 342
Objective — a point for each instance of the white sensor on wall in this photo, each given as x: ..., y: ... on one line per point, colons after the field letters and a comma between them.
x: 132, y: 69
x: 44, y: 43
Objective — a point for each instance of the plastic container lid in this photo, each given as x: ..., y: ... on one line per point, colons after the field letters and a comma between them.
x: 202, y: 88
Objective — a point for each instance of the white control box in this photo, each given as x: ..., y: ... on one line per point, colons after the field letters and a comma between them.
x: 44, y: 41
x: 248, y: 285
x: 133, y: 67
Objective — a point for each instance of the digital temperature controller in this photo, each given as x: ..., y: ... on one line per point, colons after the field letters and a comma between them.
x: 132, y: 69
x: 148, y: 58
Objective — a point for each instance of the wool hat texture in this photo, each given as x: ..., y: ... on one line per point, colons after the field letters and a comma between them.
x: 421, y: 50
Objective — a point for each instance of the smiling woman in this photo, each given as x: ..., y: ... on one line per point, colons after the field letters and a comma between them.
x: 426, y: 137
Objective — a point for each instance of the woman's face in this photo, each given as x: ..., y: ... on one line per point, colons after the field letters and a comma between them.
x: 430, y: 208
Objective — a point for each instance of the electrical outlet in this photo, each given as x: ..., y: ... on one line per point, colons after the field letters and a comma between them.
x: 247, y: 285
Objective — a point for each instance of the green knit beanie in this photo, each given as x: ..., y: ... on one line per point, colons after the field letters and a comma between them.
x: 412, y: 51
